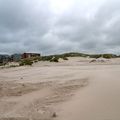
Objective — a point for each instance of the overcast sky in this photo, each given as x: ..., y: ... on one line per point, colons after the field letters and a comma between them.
x: 57, y: 26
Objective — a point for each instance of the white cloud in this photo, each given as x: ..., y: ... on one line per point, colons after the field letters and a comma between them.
x: 60, y: 6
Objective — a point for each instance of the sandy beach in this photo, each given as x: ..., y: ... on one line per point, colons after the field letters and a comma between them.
x: 69, y: 90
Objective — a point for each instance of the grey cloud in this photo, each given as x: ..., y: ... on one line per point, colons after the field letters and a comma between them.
x: 92, y: 34
x: 27, y: 25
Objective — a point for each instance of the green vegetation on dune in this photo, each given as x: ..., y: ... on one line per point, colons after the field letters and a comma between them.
x: 107, y: 56
x: 26, y: 62
x: 53, y: 58
x: 56, y: 58
x: 74, y: 54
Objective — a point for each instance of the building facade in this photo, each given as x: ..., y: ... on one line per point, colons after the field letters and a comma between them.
x: 29, y: 55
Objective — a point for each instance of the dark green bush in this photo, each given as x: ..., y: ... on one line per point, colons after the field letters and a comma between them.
x: 35, y: 61
x: 108, y: 56
x: 26, y: 62
x: 95, y: 56
x: 1, y: 64
x: 13, y: 66
x: 55, y: 59
x: 46, y: 58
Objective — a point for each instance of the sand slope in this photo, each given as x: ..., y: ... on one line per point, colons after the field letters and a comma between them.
x: 69, y: 90
x: 99, y: 100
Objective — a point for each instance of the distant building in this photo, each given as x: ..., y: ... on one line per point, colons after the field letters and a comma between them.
x: 29, y: 55
x: 4, y: 59
x: 16, y: 57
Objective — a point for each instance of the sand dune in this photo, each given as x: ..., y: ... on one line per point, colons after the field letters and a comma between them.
x: 70, y: 90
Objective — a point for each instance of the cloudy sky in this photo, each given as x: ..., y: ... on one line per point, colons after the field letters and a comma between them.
x: 57, y: 26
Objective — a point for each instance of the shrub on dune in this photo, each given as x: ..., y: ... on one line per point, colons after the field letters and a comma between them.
x: 26, y: 62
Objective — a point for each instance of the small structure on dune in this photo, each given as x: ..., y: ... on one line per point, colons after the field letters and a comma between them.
x: 29, y: 55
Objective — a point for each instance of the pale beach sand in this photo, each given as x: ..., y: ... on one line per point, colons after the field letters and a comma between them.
x: 70, y: 90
